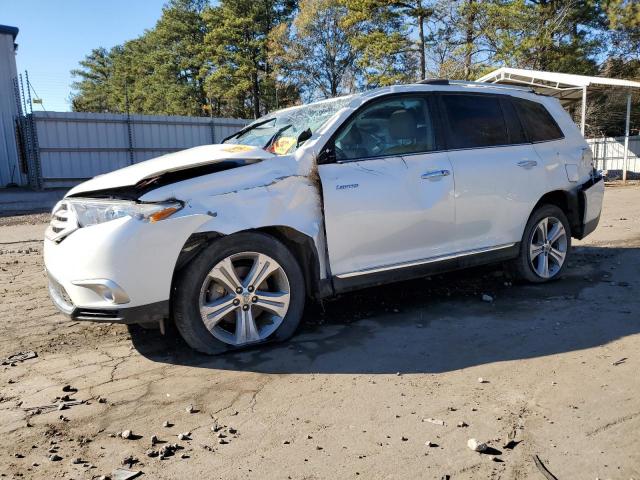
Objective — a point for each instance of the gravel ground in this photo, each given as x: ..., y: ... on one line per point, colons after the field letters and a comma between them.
x: 352, y: 394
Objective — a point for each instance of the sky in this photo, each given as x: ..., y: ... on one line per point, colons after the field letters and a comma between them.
x: 56, y: 34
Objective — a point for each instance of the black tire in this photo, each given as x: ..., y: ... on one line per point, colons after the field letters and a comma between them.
x: 187, y: 286
x: 521, y: 267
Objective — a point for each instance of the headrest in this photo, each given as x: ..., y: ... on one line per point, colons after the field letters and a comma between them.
x: 402, y: 125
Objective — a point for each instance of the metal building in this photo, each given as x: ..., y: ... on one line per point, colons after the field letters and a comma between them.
x: 9, y: 103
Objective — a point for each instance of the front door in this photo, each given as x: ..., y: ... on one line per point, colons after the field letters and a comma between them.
x: 389, y: 193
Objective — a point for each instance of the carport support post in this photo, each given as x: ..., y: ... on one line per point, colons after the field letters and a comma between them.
x: 626, y: 139
x: 583, y: 116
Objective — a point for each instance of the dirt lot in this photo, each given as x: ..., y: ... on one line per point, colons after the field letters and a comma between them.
x: 350, y: 395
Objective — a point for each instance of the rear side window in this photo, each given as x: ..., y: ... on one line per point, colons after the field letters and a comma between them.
x: 474, y: 121
x: 537, y: 121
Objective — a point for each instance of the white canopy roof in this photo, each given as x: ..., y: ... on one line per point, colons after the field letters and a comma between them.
x: 564, y: 86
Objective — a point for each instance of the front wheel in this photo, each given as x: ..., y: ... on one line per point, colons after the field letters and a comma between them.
x: 545, y: 246
x: 242, y: 290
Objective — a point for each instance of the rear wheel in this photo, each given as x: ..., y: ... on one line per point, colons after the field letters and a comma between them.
x: 243, y: 290
x: 545, y: 246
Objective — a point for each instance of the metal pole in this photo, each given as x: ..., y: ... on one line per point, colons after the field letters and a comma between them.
x: 129, y: 129
x: 212, y: 124
x: 626, y: 139
x: 583, y: 117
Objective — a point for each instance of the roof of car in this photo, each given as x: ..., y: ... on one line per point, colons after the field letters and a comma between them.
x: 440, y: 85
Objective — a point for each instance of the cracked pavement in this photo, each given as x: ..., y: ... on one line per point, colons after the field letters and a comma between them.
x: 348, y: 396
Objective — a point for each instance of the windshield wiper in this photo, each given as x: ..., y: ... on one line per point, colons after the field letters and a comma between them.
x: 275, y: 136
x: 244, y: 130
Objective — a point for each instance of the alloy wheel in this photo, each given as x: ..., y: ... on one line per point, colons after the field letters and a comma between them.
x: 548, y: 247
x: 244, y: 298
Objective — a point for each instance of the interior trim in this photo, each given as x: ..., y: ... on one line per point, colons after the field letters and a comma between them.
x: 415, y: 263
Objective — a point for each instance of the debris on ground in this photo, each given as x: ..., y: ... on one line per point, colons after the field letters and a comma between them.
x: 482, y: 380
x: 544, y: 470
x: 151, y: 453
x: 184, y: 436
x: 37, y: 410
x: 55, y: 457
x: 430, y: 444
x: 463, y: 424
x: 127, y: 434
x: 191, y: 409
x: 169, y: 450
x: 124, y: 474
x: 618, y: 362
x: 69, y: 388
x: 130, y: 460
x: 477, y: 446
x: 167, y: 424
x: 19, y: 357
x: 511, y: 444
x: 434, y: 421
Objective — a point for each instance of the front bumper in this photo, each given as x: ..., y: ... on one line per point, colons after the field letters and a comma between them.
x: 118, y: 271
x: 150, y: 313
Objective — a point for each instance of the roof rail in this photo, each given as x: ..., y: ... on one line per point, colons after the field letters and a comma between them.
x: 492, y: 85
x: 444, y: 81
x: 434, y: 81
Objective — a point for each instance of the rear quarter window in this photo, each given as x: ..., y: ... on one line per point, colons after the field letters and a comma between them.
x: 538, y: 123
x: 474, y: 121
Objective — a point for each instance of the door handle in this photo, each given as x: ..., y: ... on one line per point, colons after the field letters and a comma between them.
x: 435, y: 174
x: 527, y: 163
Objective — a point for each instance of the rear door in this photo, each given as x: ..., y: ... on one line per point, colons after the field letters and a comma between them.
x: 499, y: 176
x: 388, y: 188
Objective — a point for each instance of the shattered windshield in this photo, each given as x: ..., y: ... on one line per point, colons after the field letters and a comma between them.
x: 278, y: 132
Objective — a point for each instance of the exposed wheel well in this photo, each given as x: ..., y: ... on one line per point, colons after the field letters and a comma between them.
x: 300, y: 245
x: 304, y: 249
x: 567, y: 202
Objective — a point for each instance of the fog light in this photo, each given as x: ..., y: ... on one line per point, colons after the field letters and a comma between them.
x: 107, y: 289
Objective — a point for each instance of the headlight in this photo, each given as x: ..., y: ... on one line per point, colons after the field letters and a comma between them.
x: 92, y: 212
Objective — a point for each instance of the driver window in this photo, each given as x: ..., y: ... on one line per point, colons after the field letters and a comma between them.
x: 398, y: 126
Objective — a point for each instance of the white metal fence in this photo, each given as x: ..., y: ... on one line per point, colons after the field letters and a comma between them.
x: 65, y: 148
x: 608, y: 153
x: 73, y: 146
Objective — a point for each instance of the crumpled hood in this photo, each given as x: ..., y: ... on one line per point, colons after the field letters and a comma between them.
x: 172, y: 162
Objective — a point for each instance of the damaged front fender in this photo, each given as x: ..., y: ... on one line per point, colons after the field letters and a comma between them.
x: 278, y: 193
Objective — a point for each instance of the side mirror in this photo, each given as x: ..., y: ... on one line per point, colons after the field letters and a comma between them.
x: 327, y: 155
x: 303, y: 137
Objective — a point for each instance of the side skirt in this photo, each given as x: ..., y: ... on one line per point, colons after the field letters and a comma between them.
x: 357, y: 280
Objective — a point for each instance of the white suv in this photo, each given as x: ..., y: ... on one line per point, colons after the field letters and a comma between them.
x: 228, y: 240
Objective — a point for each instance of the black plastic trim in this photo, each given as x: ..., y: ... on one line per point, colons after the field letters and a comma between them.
x: 399, y: 274
x: 150, y: 313
x: 576, y: 204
